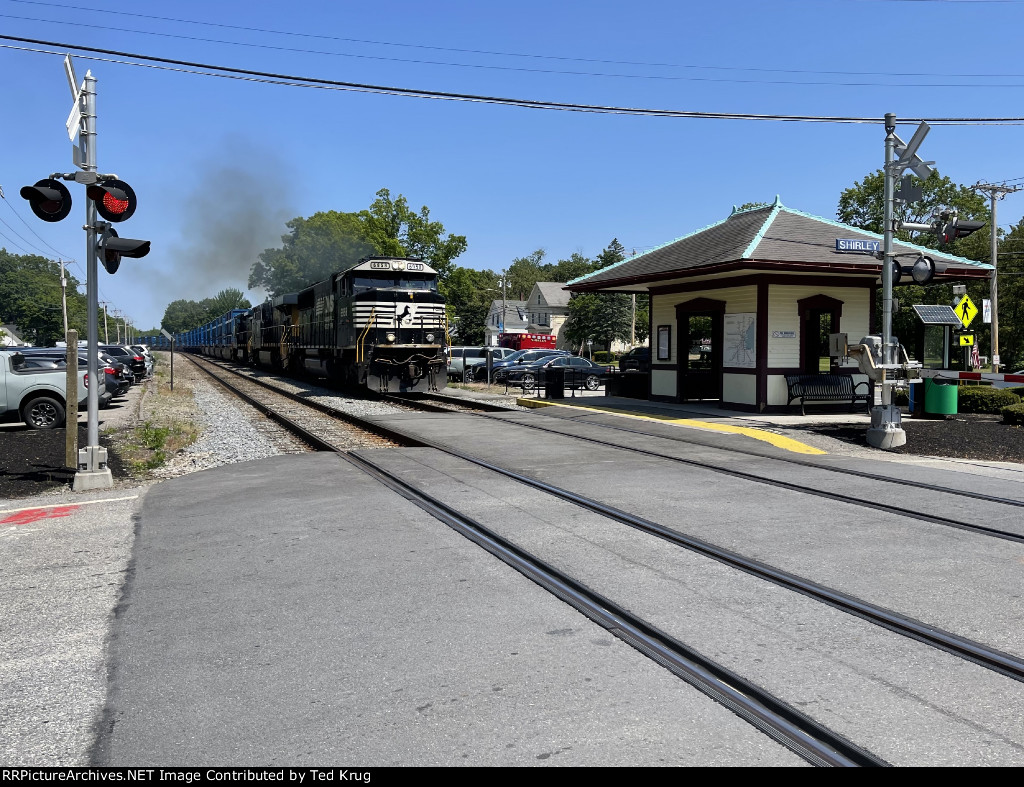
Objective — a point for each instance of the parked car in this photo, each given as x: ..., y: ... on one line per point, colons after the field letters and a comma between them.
x: 579, y: 372
x: 143, y: 350
x: 519, y: 358
x: 132, y: 359
x: 463, y: 360
x: 636, y: 360
x: 32, y: 394
x: 56, y: 358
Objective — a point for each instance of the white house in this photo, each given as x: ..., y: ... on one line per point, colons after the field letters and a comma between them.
x: 9, y: 338
x: 514, y: 320
x: 548, y: 309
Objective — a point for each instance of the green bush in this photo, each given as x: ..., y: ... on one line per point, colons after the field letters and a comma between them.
x: 1019, y: 390
x: 983, y: 399
x: 900, y: 396
x: 603, y: 356
x: 1014, y: 414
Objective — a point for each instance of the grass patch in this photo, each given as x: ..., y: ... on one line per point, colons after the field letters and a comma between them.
x: 170, y: 424
x: 148, y: 446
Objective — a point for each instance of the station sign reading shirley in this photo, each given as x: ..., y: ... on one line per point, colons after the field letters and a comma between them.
x: 858, y: 244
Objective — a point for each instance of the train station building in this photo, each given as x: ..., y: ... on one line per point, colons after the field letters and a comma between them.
x: 737, y: 306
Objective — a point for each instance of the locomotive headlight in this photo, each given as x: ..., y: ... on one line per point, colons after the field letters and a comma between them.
x: 430, y: 338
x: 390, y: 337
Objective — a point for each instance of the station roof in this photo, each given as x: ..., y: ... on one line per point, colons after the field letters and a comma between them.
x: 766, y: 238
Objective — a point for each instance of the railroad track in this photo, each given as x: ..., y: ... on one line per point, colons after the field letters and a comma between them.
x: 787, y: 725
x: 657, y: 645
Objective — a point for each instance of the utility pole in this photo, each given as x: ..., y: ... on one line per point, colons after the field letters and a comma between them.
x: 501, y: 327
x: 106, y: 336
x: 64, y: 297
x: 995, y: 193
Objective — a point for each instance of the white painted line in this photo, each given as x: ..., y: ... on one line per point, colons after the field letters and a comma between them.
x: 63, y: 505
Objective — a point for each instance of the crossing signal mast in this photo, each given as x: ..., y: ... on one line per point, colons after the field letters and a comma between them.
x: 114, y: 201
x: 886, y: 429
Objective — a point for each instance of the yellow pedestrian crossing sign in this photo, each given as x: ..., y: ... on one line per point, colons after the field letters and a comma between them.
x: 967, y: 340
x: 966, y: 310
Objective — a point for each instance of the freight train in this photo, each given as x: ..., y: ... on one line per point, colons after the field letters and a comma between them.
x: 379, y: 324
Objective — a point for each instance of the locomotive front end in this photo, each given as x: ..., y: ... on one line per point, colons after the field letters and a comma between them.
x: 402, y: 315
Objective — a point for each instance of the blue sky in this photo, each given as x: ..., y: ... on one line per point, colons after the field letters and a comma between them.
x: 220, y: 165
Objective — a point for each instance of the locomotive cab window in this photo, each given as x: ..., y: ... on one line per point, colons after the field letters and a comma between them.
x: 418, y: 283
x: 364, y: 283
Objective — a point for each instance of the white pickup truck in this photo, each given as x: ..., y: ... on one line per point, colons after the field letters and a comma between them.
x: 33, y: 395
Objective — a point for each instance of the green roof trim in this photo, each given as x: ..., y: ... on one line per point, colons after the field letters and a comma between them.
x: 923, y: 249
x: 775, y: 209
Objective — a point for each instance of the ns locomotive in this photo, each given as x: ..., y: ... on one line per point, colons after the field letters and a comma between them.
x: 379, y: 324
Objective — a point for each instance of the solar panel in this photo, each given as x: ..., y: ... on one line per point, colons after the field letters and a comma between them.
x: 937, y: 315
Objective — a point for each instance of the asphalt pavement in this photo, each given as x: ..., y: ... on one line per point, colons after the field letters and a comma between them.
x: 290, y: 611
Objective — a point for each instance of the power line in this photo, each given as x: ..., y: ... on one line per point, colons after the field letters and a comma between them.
x: 185, y: 66
x: 900, y: 76
x: 496, y: 53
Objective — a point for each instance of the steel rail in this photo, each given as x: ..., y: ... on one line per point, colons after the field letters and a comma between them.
x: 807, y: 463
x: 837, y: 496
x: 791, y: 728
x: 970, y: 650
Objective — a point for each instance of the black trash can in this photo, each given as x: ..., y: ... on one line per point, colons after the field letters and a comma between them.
x: 554, y: 383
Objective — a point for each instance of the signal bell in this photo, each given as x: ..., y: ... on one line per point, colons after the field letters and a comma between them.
x: 115, y: 200
x: 49, y: 199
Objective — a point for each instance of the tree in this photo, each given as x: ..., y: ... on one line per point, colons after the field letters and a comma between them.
x: 605, y: 317
x: 183, y: 315
x: 30, y: 298
x: 863, y: 206
x: 601, y: 316
x: 330, y: 241
x: 566, y: 270
x: 523, y: 273
x: 468, y: 294
x: 323, y: 244
x: 225, y: 301
x: 395, y: 230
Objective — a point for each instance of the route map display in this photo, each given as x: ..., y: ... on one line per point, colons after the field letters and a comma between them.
x: 740, y: 341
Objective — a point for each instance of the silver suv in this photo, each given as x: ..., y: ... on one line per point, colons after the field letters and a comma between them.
x: 461, y: 360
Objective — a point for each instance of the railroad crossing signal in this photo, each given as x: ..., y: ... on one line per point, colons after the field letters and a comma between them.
x: 966, y: 310
x: 115, y: 200
x: 966, y: 339
x: 112, y: 248
x: 49, y: 199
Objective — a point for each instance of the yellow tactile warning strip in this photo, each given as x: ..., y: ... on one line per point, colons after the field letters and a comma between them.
x: 779, y: 441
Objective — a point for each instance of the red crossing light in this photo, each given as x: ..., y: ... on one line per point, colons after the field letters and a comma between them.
x: 115, y: 200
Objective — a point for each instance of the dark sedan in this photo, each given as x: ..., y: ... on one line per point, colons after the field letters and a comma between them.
x: 132, y: 359
x: 519, y: 358
x: 579, y: 372
x: 636, y: 360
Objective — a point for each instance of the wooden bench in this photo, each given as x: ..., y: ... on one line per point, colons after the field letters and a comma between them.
x: 825, y: 388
